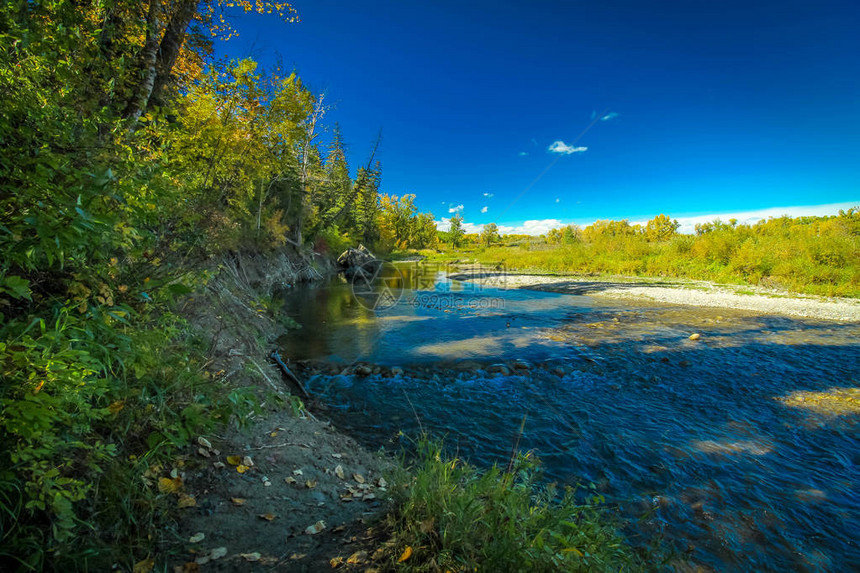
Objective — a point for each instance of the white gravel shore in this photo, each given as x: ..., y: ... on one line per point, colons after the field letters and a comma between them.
x: 693, y: 293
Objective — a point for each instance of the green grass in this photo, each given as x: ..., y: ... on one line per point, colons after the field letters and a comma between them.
x: 450, y: 516
x: 821, y: 257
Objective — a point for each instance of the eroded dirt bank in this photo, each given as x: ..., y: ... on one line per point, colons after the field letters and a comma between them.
x: 286, y: 491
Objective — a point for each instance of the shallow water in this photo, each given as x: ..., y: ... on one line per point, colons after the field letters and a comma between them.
x: 743, y: 443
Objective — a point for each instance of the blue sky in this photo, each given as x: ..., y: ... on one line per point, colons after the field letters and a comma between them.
x: 575, y: 111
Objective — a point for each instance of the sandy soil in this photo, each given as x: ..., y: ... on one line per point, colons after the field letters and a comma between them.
x: 304, y: 475
x: 255, y: 492
x: 693, y: 293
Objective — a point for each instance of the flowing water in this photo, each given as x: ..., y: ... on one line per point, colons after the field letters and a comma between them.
x: 740, y: 447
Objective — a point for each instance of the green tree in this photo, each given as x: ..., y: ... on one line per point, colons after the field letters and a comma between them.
x: 490, y: 234
x: 661, y: 228
x: 367, y: 203
x: 455, y: 231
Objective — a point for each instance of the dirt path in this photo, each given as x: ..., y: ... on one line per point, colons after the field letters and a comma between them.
x: 290, y: 494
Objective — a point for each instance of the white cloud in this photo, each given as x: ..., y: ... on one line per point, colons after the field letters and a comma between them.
x: 483, y: 209
x: 488, y: 194
x: 608, y: 116
x: 455, y: 209
x: 562, y: 148
x: 523, y: 153
x: 445, y: 224
x: 532, y: 227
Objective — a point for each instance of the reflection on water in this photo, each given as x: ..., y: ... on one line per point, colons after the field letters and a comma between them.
x: 439, y: 321
x: 744, y: 443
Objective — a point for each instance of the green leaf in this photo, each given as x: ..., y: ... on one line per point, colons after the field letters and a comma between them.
x: 17, y: 287
x: 179, y: 288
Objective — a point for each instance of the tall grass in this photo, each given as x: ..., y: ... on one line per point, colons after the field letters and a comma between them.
x: 812, y: 255
x: 450, y: 516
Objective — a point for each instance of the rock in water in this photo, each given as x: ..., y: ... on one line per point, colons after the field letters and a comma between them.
x: 357, y: 260
x: 499, y: 369
x: 363, y: 370
x: 521, y: 365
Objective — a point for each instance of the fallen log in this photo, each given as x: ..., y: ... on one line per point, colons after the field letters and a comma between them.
x: 288, y: 373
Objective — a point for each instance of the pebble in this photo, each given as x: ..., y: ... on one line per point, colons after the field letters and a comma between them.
x: 499, y: 369
x: 521, y: 365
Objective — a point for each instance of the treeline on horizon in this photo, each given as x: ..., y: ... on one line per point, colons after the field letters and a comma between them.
x: 814, y: 255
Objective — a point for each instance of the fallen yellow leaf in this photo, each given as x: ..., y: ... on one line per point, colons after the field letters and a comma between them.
x: 115, y: 407
x: 358, y: 477
x: 186, y: 500
x: 378, y: 554
x: 234, y: 460
x: 238, y: 500
x: 357, y: 558
x: 168, y: 485
x: 407, y: 553
x: 310, y: 484
x: 255, y: 556
x: 144, y: 566
x: 267, y: 516
x: 242, y: 468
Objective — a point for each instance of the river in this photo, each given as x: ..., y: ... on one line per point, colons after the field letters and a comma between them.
x: 739, y: 447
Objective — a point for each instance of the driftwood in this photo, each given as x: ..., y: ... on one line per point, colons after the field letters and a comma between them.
x: 288, y: 373
x: 358, y: 261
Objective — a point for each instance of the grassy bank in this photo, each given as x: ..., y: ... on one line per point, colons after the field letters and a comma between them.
x: 811, y: 255
x: 101, y: 407
x: 450, y: 516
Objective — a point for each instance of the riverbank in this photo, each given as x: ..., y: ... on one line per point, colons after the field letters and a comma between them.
x: 674, y: 291
x: 281, y: 488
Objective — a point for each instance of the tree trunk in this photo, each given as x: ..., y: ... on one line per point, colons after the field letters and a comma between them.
x: 171, y: 44
x: 142, y: 92
x: 317, y: 113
